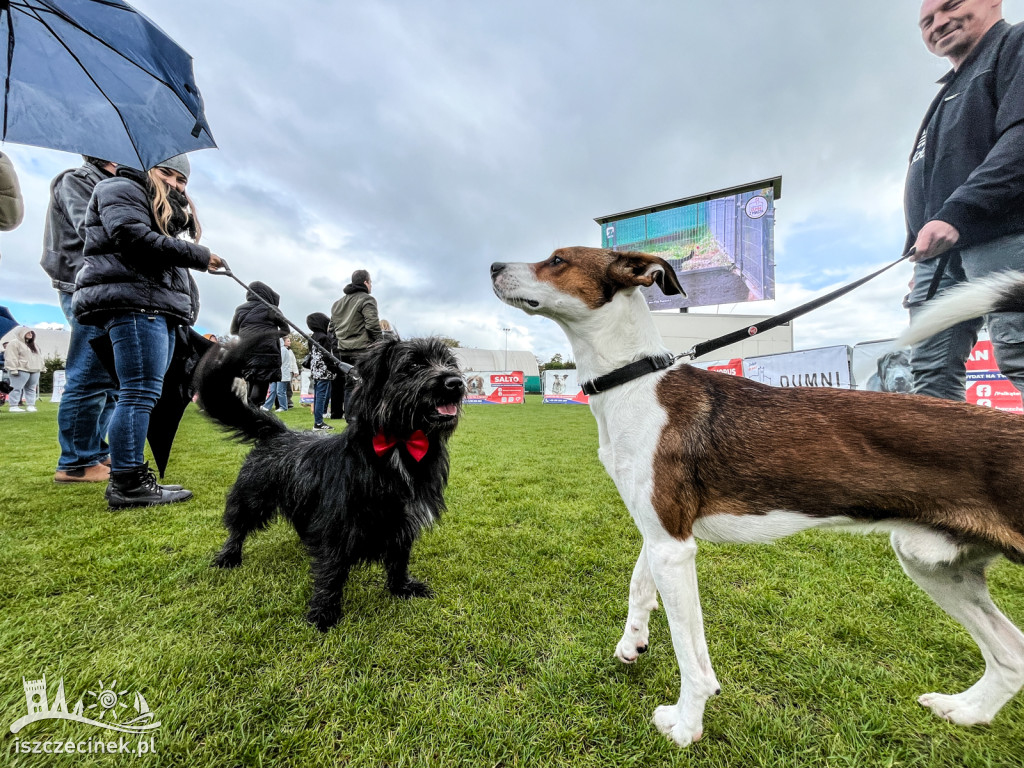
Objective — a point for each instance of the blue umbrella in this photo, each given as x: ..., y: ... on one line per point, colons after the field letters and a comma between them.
x: 98, y: 78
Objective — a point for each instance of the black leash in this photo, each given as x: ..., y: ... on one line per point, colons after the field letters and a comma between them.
x: 226, y: 271
x: 659, y: 362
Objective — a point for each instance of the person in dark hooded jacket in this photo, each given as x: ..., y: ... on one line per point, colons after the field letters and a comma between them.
x: 321, y: 371
x: 135, y: 282
x: 254, y: 317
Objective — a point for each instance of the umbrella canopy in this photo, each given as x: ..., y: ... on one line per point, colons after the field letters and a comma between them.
x: 98, y: 78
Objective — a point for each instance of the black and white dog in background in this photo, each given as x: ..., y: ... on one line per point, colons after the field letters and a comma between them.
x: 359, y: 496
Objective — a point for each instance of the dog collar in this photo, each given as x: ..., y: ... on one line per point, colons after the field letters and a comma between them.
x: 634, y: 370
x: 417, y: 444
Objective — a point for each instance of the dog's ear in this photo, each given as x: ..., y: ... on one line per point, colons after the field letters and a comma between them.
x: 374, y: 363
x: 632, y: 268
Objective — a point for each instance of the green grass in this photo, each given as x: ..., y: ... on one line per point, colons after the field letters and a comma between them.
x: 820, y: 642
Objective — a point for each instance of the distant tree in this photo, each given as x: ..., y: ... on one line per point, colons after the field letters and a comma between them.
x: 50, y: 365
x: 557, y: 363
x: 300, y: 347
x: 450, y: 342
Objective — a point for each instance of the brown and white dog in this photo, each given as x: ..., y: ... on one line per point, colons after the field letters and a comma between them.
x: 698, y: 455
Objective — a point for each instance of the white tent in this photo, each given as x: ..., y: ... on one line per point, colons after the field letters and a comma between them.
x: 51, y: 343
x: 496, y: 360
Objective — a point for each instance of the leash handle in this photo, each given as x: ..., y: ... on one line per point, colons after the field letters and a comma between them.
x: 699, y: 350
x: 342, y: 366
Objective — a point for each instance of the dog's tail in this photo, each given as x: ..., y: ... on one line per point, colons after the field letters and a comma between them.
x: 1001, y: 292
x: 215, y: 377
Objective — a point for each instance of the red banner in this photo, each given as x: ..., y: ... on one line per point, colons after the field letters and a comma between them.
x: 986, y: 385
x: 733, y: 367
x: 494, y: 387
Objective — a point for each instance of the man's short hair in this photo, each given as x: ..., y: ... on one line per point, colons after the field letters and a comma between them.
x: 360, y: 277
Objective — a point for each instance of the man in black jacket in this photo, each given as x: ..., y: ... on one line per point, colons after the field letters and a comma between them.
x: 89, y: 394
x: 964, y: 195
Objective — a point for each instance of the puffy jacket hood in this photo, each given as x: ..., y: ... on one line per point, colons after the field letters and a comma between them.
x: 317, y: 322
x: 258, y: 290
x: 22, y: 332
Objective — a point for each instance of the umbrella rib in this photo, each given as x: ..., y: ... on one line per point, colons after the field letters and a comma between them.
x: 62, y: 15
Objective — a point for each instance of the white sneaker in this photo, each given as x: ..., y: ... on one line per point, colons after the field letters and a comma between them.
x: 30, y: 408
x: 16, y: 409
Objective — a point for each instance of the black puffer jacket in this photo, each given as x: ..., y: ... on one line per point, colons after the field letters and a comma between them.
x: 255, y: 317
x: 128, y: 265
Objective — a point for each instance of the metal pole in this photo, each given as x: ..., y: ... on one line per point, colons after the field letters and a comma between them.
x: 343, y: 367
x: 506, y: 330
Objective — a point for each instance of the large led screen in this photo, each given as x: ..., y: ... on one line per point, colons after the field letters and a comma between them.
x: 720, y: 244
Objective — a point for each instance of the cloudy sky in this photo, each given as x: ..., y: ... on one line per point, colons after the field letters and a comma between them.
x: 423, y: 141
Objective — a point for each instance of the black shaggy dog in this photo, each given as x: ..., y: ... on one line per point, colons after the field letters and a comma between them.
x: 360, y: 496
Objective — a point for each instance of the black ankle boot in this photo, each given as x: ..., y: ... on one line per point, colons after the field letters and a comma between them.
x: 138, y: 488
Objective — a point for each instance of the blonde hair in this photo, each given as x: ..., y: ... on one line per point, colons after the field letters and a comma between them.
x: 162, y: 210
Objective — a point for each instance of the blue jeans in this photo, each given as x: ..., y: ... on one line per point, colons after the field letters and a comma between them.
x: 321, y: 393
x: 143, y: 345
x: 88, y: 400
x: 279, y: 392
x: 939, y: 363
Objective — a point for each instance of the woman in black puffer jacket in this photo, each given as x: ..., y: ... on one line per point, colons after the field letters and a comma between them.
x: 254, y: 317
x: 135, y: 282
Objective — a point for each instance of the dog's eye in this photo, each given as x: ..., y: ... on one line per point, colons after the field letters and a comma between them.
x: 556, y: 260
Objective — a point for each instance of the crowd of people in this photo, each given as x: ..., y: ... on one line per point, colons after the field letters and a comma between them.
x: 120, y: 245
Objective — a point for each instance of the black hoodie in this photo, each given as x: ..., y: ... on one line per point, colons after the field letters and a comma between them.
x: 318, y: 323
x: 255, y: 317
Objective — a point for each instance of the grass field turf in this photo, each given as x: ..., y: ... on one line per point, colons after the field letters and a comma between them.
x: 820, y: 642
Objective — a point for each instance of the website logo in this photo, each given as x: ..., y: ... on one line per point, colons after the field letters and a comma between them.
x: 106, y: 707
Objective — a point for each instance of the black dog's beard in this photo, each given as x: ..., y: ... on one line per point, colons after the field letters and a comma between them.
x: 419, y: 397
x: 348, y: 503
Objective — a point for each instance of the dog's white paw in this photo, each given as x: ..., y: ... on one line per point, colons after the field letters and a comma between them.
x: 632, y: 644
x: 667, y: 720
x: 963, y: 709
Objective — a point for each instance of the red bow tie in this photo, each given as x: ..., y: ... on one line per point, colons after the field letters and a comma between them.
x: 416, y: 444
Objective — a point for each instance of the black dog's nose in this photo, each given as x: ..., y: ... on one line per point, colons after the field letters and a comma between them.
x: 455, y: 383
x: 497, y: 268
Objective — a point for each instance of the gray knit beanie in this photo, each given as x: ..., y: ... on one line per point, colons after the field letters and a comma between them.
x: 177, y: 163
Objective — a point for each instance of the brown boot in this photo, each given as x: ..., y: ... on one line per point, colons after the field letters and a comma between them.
x: 97, y: 473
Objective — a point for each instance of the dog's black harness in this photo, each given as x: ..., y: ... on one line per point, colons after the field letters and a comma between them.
x: 629, y: 372
x: 654, y: 363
